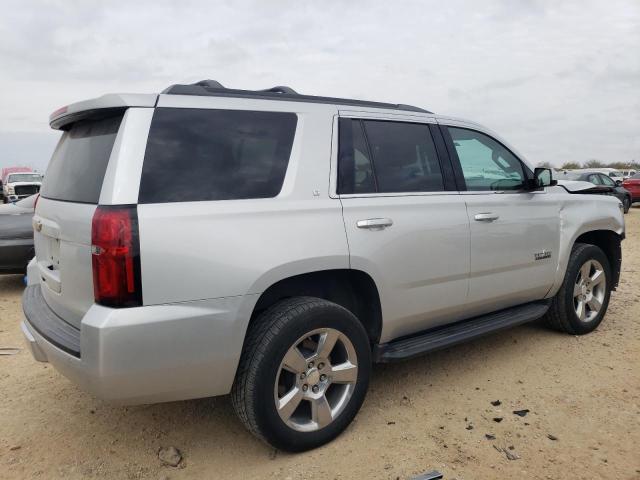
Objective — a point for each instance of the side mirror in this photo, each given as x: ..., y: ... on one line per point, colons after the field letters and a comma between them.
x: 542, y: 177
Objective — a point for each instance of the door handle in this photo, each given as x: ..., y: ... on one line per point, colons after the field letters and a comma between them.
x: 486, y: 217
x: 375, y: 223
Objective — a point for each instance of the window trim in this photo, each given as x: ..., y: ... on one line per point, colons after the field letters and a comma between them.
x: 457, y: 166
x: 444, y: 161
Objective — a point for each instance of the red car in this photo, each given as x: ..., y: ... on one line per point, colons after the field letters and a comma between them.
x: 633, y: 185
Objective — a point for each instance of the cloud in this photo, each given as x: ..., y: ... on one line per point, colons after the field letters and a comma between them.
x: 559, y: 80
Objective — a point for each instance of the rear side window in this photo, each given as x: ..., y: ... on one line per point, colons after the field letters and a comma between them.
x: 79, y: 162
x: 387, y: 157
x: 200, y: 154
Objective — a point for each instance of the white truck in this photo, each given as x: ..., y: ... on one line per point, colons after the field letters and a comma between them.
x: 19, y: 183
x: 273, y: 245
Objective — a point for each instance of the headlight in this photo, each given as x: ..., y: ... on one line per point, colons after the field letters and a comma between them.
x: 11, y: 190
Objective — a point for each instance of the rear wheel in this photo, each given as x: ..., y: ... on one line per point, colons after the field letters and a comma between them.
x: 626, y: 204
x: 582, y: 301
x: 303, y: 374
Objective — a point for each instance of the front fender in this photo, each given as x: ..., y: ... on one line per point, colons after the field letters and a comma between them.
x: 580, y: 214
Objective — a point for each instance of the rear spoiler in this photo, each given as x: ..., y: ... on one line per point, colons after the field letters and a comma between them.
x: 100, y: 107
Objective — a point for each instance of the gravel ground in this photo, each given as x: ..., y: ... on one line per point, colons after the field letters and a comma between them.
x: 435, y: 412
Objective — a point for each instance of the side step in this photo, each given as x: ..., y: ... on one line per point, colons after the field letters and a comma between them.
x: 447, y: 335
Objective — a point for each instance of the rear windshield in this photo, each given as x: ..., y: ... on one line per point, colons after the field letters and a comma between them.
x: 77, y: 168
x: 198, y: 154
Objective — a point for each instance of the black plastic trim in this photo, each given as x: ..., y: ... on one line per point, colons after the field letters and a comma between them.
x: 209, y: 88
x: 446, y: 165
x: 44, y: 321
x: 448, y: 335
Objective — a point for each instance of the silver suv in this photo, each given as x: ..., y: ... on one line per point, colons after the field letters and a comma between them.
x: 272, y: 245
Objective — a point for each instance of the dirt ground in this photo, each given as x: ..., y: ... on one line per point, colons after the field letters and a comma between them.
x: 430, y: 413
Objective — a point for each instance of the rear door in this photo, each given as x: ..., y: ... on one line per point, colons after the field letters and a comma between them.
x: 515, y: 234
x: 62, y: 222
x: 406, y: 223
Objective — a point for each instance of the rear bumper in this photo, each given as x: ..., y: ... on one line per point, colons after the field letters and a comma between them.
x: 146, y: 354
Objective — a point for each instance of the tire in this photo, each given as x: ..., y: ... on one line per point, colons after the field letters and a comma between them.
x: 293, y: 325
x: 626, y: 204
x: 563, y: 312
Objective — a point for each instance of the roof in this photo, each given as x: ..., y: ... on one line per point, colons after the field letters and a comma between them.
x: 215, y: 89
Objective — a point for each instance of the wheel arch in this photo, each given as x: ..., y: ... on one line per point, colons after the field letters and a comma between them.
x: 610, y: 243
x: 352, y: 289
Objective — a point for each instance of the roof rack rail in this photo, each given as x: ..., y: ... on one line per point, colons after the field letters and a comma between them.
x: 216, y: 89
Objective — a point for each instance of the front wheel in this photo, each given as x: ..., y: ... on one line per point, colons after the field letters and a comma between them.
x: 303, y: 374
x: 626, y: 204
x: 582, y: 301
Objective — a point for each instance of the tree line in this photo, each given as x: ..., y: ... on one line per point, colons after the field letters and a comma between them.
x: 595, y: 164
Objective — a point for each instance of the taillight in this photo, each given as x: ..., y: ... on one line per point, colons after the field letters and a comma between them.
x: 115, y: 256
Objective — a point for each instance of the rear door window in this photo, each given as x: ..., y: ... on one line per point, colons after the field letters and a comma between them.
x: 201, y: 154
x: 76, y: 170
x: 404, y: 157
x: 378, y: 156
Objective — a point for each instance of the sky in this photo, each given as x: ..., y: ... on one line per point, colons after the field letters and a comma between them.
x: 560, y: 80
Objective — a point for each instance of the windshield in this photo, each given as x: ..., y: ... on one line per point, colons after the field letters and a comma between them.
x: 24, y: 177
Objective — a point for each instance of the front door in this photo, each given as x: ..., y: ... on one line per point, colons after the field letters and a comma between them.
x: 515, y: 234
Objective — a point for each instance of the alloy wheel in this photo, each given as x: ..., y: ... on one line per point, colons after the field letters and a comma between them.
x: 589, y: 290
x: 316, y: 380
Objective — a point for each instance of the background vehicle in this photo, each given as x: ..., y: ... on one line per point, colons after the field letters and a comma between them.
x: 19, y: 182
x: 628, y: 173
x: 272, y: 245
x: 16, y: 235
x: 615, y: 175
x: 598, y: 178
x: 632, y: 185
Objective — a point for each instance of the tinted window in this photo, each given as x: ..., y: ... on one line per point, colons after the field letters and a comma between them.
x: 196, y: 154
x: 77, y: 168
x: 404, y: 157
x: 486, y: 163
x: 355, y: 174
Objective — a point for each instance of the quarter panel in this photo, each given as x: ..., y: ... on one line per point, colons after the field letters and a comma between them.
x: 200, y: 250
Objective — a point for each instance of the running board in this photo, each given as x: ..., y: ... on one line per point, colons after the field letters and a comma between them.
x: 447, y: 335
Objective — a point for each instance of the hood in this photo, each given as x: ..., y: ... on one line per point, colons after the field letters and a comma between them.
x: 579, y: 186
